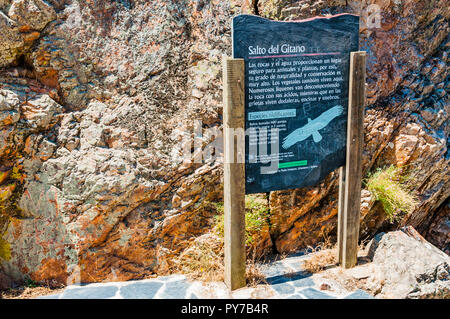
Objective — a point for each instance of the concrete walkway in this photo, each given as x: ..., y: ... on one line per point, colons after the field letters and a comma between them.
x: 286, y: 279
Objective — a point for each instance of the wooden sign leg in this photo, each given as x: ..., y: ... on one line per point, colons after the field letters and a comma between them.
x: 350, y: 184
x: 234, y: 171
x: 341, y: 200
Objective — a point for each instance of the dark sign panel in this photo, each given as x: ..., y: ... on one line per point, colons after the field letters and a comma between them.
x: 296, y: 87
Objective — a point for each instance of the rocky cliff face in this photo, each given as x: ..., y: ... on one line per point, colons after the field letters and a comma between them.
x: 96, y: 96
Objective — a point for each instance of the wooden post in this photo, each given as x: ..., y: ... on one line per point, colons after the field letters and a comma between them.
x: 341, y: 200
x: 350, y: 184
x: 234, y: 171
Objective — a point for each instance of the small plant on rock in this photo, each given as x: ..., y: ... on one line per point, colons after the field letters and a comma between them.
x: 389, y: 187
x: 256, y: 218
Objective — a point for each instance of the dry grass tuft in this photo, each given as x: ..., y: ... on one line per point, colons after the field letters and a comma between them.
x: 253, y: 272
x: 204, y: 260
x: 322, y: 256
x: 29, y: 292
x: 389, y: 187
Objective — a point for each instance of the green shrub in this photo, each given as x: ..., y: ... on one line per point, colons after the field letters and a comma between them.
x: 389, y: 187
x: 256, y: 218
x: 30, y: 283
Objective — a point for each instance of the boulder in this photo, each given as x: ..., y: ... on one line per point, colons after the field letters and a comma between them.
x: 405, y: 265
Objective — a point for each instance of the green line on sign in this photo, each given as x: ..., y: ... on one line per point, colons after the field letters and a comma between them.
x: 293, y: 164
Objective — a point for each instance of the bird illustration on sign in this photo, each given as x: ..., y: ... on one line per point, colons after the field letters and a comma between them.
x: 312, y: 127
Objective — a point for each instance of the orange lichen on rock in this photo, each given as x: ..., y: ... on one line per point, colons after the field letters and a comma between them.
x: 4, y: 175
x: 31, y: 37
x: 50, y: 78
x: 52, y: 271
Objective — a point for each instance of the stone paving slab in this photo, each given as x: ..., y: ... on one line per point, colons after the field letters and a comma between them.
x: 87, y: 292
x: 141, y: 290
x: 311, y: 293
x: 50, y: 297
x: 285, y: 280
x: 359, y: 294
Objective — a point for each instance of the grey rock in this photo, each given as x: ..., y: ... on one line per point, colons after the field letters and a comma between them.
x: 36, y: 13
x: 45, y: 111
x: 409, y: 266
x: 9, y: 101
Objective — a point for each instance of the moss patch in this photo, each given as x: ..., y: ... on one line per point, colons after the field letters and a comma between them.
x: 15, y: 173
x: 5, y: 249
